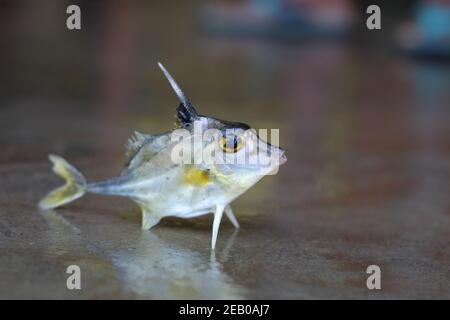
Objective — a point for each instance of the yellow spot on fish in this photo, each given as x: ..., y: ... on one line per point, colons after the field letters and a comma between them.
x: 197, y: 177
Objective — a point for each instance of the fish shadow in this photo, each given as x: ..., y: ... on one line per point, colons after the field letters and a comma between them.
x: 154, y: 264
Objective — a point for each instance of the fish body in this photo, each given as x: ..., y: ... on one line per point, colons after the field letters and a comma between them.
x: 162, y: 186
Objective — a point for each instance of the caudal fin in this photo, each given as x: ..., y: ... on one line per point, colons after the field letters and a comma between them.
x: 74, y: 188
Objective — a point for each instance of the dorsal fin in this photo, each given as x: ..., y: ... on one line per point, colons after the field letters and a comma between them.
x: 185, y: 111
x: 142, y: 148
x: 135, y: 143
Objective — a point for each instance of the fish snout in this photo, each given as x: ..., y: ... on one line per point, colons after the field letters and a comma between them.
x: 282, y: 156
x: 278, y: 154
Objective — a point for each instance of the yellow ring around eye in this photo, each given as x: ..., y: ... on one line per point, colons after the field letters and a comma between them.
x: 231, y: 149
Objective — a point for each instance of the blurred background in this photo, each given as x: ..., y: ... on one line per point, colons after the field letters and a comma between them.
x: 363, y: 114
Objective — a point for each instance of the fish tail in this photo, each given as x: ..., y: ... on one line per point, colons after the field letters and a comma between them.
x: 74, y: 188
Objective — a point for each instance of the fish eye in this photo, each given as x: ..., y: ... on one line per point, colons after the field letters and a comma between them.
x: 231, y: 144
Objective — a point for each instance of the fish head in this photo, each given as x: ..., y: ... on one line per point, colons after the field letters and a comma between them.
x: 232, y: 151
x: 240, y: 150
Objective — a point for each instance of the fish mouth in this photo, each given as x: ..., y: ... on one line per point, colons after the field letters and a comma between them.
x: 282, y: 160
x: 278, y: 162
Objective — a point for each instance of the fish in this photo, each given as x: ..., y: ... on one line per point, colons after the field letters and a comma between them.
x: 162, y: 185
